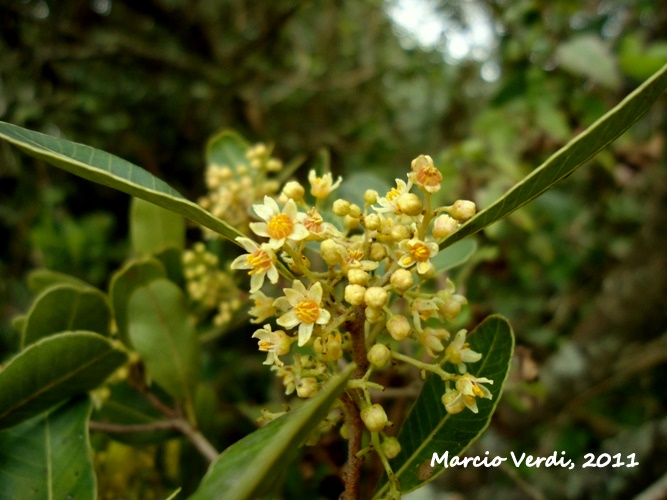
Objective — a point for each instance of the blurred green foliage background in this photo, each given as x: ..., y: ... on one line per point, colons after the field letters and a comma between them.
x: 488, y: 88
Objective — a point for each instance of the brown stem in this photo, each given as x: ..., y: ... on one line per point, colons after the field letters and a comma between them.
x: 354, y: 423
x: 178, y: 424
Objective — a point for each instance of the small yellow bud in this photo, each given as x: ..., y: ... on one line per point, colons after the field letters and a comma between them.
x: 402, y: 279
x: 357, y: 277
x: 410, y: 204
x: 372, y: 222
x: 351, y: 222
x: 378, y: 251
x: 400, y: 233
x: 391, y: 447
x: 332, y: 252
x: 294, y: 190
x: 374, y: 417
x: 341, y: 207
x: 345, y: 431
x: 374, y: 314
x: 453, y: 403
x: 379, y: 355
x: 462, y: 210
x: 398, y: 327
x: 355, y: 211
x: 307, y: 387
x: 274, y: 165
x: 376, y: 296
x: 354, y: 294
x: 443, y: 226
x: 371, y: 196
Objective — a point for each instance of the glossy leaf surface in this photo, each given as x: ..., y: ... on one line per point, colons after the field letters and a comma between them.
x: 154, y: 229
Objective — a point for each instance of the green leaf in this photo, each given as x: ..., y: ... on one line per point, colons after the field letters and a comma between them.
x: 53, y: 369
x: 454, y: 256
x: 66, y: 308
x: 570, y: 157
x: 429, y: 429
x: 162, y: 333
x: 41, y: 279
x: 127, y: 406
x: 154, y: 229
x: 227, y: 149
x: 249, y: 468
x: 589, y: 56
x: 49, y: 456
x: 132, y: 275
x: 109, y: 170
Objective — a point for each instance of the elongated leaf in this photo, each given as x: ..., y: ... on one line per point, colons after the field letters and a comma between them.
x: 454, y: 256
x: 162, y: 333
x: 48, y: 456
x: 429, y: 429
x: 154, y: 229
x: 41, y: 279
x: 249, y: 468
x: 104, y: 168
x: 570, y: 157
x: 132, y: 275
x: 52, y: 370
x: 66, y: 308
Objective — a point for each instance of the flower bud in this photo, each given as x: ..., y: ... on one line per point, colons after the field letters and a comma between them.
x: 398, y: 327
x: 377, y: 252
x: 371, y: 196
x: 402, y: 279
x: 379, y: 355
x: 391, y: 447
x: 345, y: 431
x: 410, y: 204
x: 374, y: 417
x: 294, y: 190
x: 307, y: 387
x: 376, y: 296
x: 462, y: 210
x: 453, y: 403
x: 443, y: 226
x: 372, y: 222
x: 357, y: 276
x: 374, y: 314
x: 341, y: 207
x: 400, y: 233
x: 331, y: 252
x: 354, y: 294
x: 355, y: 211
x: 351, y: 222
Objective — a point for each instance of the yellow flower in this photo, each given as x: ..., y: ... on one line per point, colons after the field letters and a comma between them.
x: 306, y: 309
x: 261, y: 261
x: 274, y: 343
x: 321, y: 187
x: 263, y: 308
x: 458, y: 352
x: 419, y: 252
x: 469, y: 388
x: 389, y: 203
x: 279, y: 226
x: 425, y: 175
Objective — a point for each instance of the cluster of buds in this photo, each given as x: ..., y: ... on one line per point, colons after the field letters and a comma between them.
x: 233, y: 188
x: 359, y: 290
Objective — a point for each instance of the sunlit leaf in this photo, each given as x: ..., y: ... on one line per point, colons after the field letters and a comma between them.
x: 49, y: 456
x: 66, y: 308
x: 52, y: 370
x: 250, y: 467
x: 429, y: 429
x: 570, y: 157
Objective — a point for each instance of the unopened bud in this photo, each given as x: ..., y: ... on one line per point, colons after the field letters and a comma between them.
x: 391, y: 447
x: 374, y: 417
x: 453, y: 403
x: 355, y: 211
x: 410, y: 204
x: 354, y: 294
x: 376, y: 296
x: 307, y: 387
x: 374, y: 314
x: 462, y: 210
x: 379, y: 355
x: 398, y: 327
x: 331, y: 252
x: 341, y: 207
x: 351, y: 222
x: 377, y: 252
x: 400, y: 233
x: 357, y: 276
x: 294, y: 190
x: 402, y: 279
x: 371, y: 196
x: 372, y: 222
x: 443, y: 226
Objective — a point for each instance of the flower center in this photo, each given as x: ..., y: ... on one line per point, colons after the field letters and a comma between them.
x: 260, y: 261
x: 280, y: 227
x: 420, y: 252
x: 307, y: 311
x: 393, y: 194
x: 429, y: 176
x: 265, y: 346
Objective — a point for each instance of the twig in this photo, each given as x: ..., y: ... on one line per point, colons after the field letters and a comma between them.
x: 354, y: 462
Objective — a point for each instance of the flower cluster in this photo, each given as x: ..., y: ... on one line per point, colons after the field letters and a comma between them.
x: 359, y: 289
